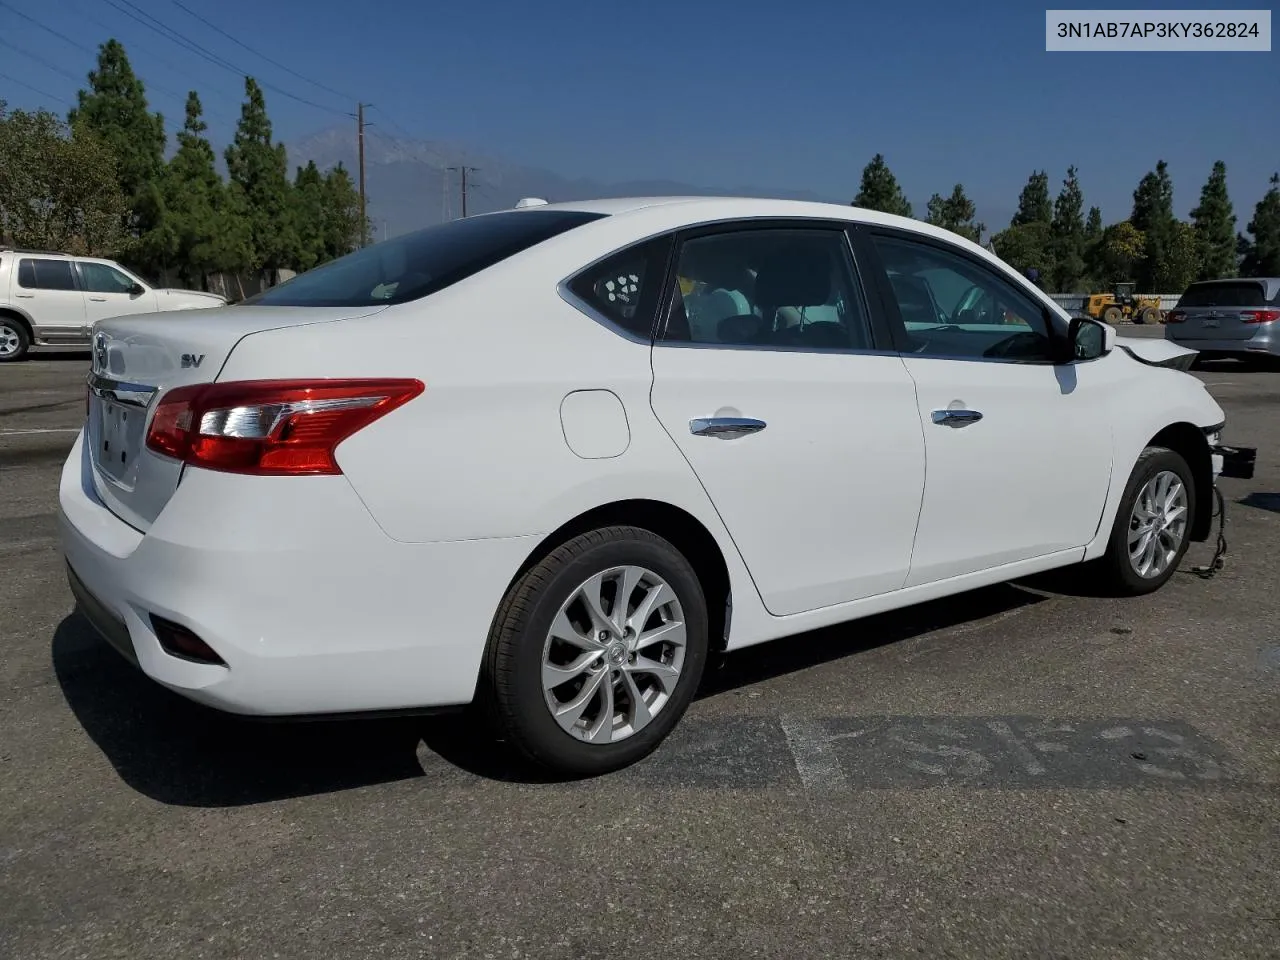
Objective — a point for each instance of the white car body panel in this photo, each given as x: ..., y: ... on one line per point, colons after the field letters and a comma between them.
x: 376, y: 589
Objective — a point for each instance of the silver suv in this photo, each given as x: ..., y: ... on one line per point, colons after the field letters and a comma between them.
x: 53, y: 299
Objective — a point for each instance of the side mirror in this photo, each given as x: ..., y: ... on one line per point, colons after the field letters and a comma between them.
x: 1089, y: 339
x: 137, y: 290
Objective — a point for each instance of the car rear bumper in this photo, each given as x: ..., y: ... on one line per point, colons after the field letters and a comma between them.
x: 1264, y: 342
x: 312, y: 608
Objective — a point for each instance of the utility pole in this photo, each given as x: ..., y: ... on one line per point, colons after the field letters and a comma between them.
x: 464, y: 170
x: 364, y: 222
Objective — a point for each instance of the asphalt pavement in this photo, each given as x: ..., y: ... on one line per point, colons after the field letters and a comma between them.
x: 1022, y: 771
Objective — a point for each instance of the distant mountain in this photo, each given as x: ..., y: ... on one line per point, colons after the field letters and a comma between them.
x: 409, y: 185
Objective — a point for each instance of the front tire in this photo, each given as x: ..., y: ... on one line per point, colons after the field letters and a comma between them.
x: 1150, y: 534
x: 597, y: 651
x: 14, y: 340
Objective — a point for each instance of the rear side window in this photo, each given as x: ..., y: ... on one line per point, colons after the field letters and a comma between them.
x: 1223, y: 295
x: 421, y: 263
x: 626, y: 287
x: 45, y: 275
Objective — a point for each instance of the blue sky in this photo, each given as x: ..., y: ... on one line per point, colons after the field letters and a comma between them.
x: 796, y: 94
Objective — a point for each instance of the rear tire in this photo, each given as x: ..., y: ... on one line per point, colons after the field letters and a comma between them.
x: 1148, y: 315
x: 1149, y: 537
x: 1112, y: 315
x: 561, y: 676
x: 14, y: 340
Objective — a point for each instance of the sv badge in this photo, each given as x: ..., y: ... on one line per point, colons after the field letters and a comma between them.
x: 192, y: 359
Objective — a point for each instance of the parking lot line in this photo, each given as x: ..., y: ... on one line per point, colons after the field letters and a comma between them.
x: 28, y: 433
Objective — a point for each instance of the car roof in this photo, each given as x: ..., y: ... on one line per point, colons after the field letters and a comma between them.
x: 1270, y: 285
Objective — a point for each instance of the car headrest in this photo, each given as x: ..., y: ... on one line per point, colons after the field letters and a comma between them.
x: 798, y: 276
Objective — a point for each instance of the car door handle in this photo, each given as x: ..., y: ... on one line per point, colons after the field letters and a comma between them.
x: 956, y: 418
x: 25, y: 296
x: 98, y: 299
x: 725, y: 428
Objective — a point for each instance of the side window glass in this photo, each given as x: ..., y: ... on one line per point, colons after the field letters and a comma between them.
x: 45, y: 275
x: 626, y: 287
x: 952, y: 307
x: 779, y: 288
x: 100, y: 278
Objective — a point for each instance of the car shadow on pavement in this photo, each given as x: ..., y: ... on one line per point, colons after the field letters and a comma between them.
x: 178, y: 752
x: 1262, y: 501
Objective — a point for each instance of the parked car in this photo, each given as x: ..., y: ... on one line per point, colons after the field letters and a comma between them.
x: 1237, y: 318
x: 52, y: 299
x: 543, y: 462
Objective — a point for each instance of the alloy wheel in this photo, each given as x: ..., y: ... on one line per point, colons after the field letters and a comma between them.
x: 1157, y: 524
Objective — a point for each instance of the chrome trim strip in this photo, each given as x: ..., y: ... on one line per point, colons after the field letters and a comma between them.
x: 121, y: 391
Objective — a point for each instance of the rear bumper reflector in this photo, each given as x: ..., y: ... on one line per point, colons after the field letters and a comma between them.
x: 177, y: 641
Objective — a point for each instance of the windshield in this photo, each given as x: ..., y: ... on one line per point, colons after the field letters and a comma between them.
x: 1223, y: 295
x: 421, y: 263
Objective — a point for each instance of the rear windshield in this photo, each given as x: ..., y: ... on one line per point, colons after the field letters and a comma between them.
x: 1223, y: 295
x: 417, y: 264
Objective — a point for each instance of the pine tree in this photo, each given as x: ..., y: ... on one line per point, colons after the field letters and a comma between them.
x: 1153, y: 217
x: 1181, y: 262
x: 1034, y: 205
x: 260, y: 169
x: 880, y: 190
x: 1215, y: 227
x: 1093, y: 225
x: 211, y: 234
x: 342, y: 213
x: 1262, y: 253
x: 114, y: 108
x: 1067, y: 235
x: 955, y: 213
x: 310, y: 215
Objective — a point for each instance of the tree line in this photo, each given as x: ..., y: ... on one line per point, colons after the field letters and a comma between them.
x: 1065, y: 250
x: 98, y: 184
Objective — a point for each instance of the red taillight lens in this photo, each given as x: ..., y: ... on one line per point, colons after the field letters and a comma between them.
x: 270, y: 427
x: 1175, y: 316
x: 1259, y: 316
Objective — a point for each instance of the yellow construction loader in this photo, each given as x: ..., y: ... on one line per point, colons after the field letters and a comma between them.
x: 1123, y: 305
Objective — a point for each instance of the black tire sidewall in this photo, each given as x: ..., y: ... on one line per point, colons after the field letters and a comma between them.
x: 534, y: 728
x: 1153, y: 460
x: 24, y: 341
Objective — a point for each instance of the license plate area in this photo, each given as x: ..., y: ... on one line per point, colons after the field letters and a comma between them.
x: 119, y: 427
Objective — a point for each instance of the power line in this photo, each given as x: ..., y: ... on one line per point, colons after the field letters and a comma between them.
x: 151, y: 23
x: 21, y: 83
x: 43, y: 62
x: 49, y: 30
x: 257, y: 53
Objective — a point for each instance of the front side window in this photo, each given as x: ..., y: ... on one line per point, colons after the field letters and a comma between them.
x: 780, y: 288
x: 950, y: 306
x: 45, y: 275
x: 100, y: 278
x: 421, y: 263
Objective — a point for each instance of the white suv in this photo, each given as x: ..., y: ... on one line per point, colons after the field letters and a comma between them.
x: 53, y: 299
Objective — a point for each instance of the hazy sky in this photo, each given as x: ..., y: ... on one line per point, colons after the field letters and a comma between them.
x: 796, y: 94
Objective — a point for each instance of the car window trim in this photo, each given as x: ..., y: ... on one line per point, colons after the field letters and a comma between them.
x: 877, y: 334
x: 897, y: 327
x: 566, y: 292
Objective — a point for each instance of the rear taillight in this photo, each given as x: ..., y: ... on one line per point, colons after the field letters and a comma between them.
x: 270, y: 427
x: 1175, y: 316
x: 1259, y: 316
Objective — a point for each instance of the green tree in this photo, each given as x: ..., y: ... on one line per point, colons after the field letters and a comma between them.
x: 342, y: 214
x: 880, y: 190
x: 115, y: 109
x: 1026, y: 247
x: 1180, y: 265
x: 60, y: 188
x: 1153, y: 217
x: 1093, y: 225
x: 211, y: 231
x: 1034, y: 205
x: 310, y: 214
x: 1118, y: 254
x: 955, y: 213
x: 1067, y: 235
x: 1262, y: 252
x: 1215, y: 227
x: 259, y: 169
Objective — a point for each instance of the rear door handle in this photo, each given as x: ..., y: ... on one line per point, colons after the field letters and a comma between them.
x: 25, y: 296
x: 956, y: 418
x: 725, y: 428
x: 98, y: 299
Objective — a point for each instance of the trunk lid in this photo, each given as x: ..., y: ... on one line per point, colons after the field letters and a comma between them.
x: 1212, y: 310
x: 135, y: 360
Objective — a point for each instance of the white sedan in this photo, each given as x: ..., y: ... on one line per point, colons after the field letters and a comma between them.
x: 545, y: 461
